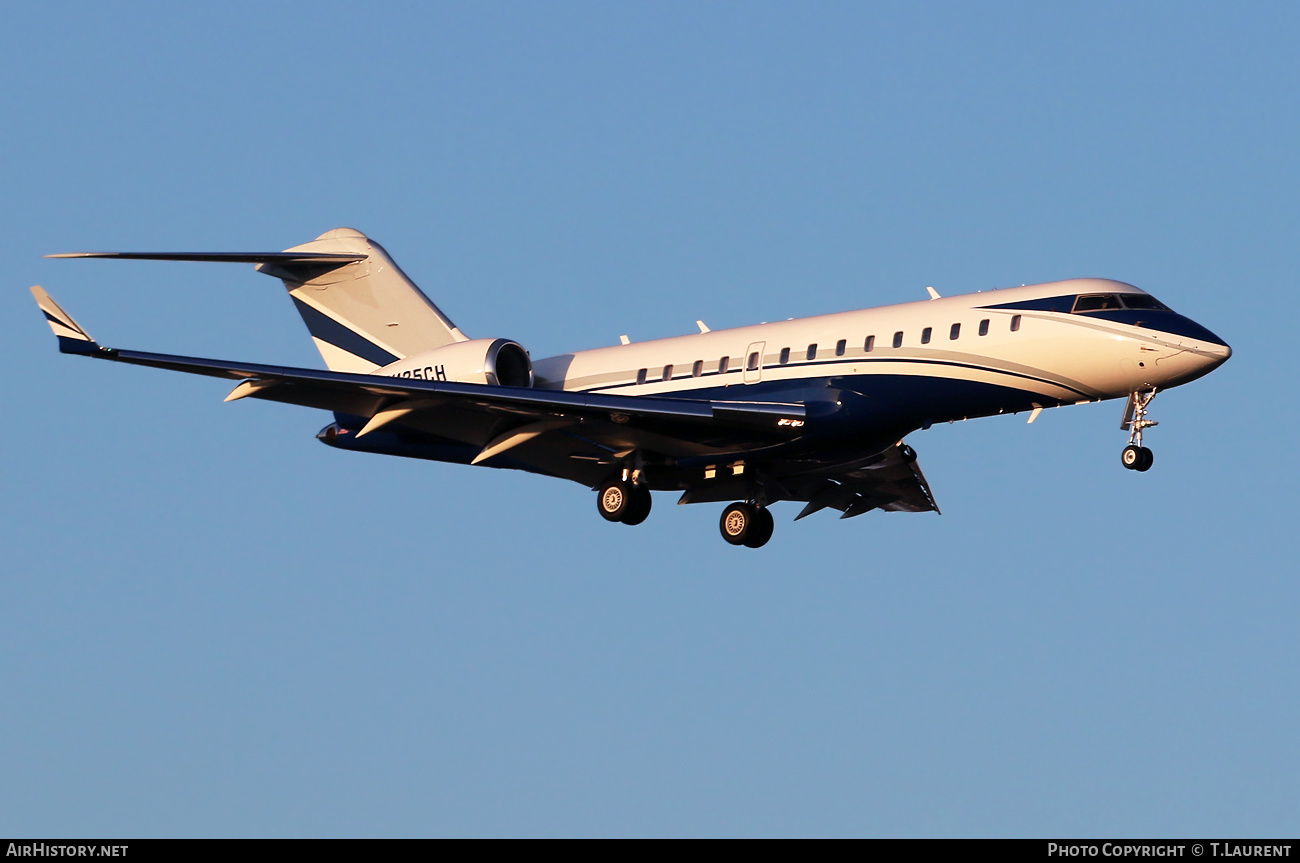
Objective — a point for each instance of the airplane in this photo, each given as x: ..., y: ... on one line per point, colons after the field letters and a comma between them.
x: 812, y: 410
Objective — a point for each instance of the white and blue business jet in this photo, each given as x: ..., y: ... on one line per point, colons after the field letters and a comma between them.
x: 811, y: 409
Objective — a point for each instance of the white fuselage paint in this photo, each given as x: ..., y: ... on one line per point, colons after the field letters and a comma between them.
x: 1062, y: 357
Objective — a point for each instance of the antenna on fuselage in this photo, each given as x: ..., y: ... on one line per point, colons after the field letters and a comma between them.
x: 934, y: 295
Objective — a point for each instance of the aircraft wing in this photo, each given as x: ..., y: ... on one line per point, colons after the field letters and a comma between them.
x: 557, y: 429
x: 894, y: 483
x: 891, y: 481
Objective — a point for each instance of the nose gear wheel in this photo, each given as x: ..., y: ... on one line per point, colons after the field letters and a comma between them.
x: 1137, y: 458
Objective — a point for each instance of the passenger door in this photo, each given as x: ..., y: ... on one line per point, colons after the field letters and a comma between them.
x: 754, y: 363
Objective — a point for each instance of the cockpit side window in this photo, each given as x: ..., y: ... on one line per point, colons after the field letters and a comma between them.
x: 1144, y: 301
x: 1095, y: 303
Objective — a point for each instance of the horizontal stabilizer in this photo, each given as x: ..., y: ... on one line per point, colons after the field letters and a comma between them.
x: 295, y: 265
x: 72, y: 338
x: 360, y: 308
x: 222, y: 257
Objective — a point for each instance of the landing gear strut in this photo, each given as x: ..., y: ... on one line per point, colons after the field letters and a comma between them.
x: 623, y: 500
x: 746, y: 524
x: 1135, y: 456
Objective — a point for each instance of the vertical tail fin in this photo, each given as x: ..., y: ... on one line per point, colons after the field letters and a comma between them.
x: 363, y: 314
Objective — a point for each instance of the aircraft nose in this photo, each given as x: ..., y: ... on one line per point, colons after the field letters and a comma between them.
x: 1210, y: 349
x: 1218, y: 354
x: 1205, y: 357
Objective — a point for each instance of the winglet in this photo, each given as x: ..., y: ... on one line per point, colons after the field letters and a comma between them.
x: 72, y: 338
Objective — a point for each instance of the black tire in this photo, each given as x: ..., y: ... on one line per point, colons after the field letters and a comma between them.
x: 614, y: 500
x: 639, y: 508
x: 761, y: 531
x: 737, y: 522
x: 1147, y: 459
x: 1131, y: 458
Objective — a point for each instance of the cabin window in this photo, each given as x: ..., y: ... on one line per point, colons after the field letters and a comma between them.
x: 668, y: 372
x: 954, y: 332
x: 925, y: 335
x: 868, y: 344
x: 697, y: 369
x: 984, y: 327
x: 723, y: 365
x: 812, y: 352
x: 785, y: 355
x: 898, y: 339
x: 1015, y: 323
x: 752, y: 365
x: 640, y: 376
x: 840, y: 347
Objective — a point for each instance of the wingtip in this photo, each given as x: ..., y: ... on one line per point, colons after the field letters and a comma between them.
x: 73, y: 338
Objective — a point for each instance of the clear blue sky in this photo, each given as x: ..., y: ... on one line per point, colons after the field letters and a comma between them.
x: 211, y: 625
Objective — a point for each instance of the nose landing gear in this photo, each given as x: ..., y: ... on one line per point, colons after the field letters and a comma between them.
x: 1135, y: 456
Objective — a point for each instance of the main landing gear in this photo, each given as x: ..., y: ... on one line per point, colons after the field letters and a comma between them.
x: 623, y: 500
x: 746, y: 524
x: 1135, y: 456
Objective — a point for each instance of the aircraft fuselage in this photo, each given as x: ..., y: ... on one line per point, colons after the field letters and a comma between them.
x: 923, y: 362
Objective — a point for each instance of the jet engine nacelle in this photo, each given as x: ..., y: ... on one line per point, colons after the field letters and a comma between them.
x: 496, y: 362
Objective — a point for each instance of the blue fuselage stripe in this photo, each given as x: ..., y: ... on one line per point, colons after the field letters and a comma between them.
x: 856, y: 360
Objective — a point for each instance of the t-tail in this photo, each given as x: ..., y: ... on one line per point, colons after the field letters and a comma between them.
x: 360, y: 308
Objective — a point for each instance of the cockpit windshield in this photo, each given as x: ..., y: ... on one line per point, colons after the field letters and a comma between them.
x: 1096, y: 303
x: 1106, y: 302
x: 1144, y: 301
